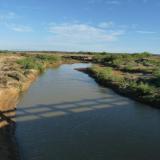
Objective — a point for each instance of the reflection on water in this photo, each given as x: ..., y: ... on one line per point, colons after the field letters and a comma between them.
x: 54, y: 110
x: 8, y: 145
x: 66, y: 116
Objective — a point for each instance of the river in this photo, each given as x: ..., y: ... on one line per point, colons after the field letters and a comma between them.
x: 66, y: 115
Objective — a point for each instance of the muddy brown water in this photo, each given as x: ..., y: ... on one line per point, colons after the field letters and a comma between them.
x: 66, y: 115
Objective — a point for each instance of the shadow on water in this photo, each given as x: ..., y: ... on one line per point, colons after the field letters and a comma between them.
x: 73, y: 122
x: 8, y: 144
x: 88, y: 129
x: 96, y: 129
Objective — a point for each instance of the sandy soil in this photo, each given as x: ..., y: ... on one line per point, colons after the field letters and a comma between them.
x: 12, y: 82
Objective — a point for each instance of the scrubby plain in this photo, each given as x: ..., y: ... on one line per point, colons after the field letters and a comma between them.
x: 134, y: 75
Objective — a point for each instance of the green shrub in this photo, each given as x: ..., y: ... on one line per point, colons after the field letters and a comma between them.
x: 31, y: 63
x: 4, y: 51
x: 141, y: 88
x: 37, y: 62
x: 48, y: 58
x: 141, y: 55
x: 157, y: 73
x: 116, y: 60
x: 156, y: 80
x: 128, y: 68
x: 98, y: 58
x: 106, y: 74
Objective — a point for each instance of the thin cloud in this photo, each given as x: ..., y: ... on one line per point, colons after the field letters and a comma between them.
x: 74, y: 35
x: 19, y: 28
x: 7, y: 16
x: 7, y: 19
x: 22, y: 29
x: 110, y: 2
x: 94, y: 1
x: 146, y: 32
x: 109, y: 24
x: 113, y: 2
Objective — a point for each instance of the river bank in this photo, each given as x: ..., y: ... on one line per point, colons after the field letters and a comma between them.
x: 136, y: 76
x: 67, y: 115
x: 52, y: 102
x: 122, y: 91
x: 17, y: 74
x: 18, y: 71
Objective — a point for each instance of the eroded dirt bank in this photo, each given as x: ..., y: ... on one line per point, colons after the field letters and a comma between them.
x: 12, y: 82
x: 15, y: 78
x: 11, y: 77
x: 17, y: 72
x: 137, y: 96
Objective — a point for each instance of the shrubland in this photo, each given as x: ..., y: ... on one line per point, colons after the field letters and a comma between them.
x: 135, y: 75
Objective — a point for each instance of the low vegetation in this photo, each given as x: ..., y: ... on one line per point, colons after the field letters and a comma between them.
x: 38, y: 62
x: 135, y: 75
x: 31, y: 63
x: 15, y: 67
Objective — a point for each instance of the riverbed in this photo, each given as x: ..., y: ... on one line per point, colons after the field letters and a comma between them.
x: 66, y: 115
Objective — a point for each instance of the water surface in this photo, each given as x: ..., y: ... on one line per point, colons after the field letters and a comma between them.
x: 65, y: 115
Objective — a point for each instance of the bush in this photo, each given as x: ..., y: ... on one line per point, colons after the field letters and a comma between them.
x: 99, y: 58
x: 106, y: 74
x: 37, y: 62
x: 102, y: 73
x: 141, y: 55
x: 141, y: 88
x: 128, y: 68
x: 157, y: 73
x: 31, y: 63
x: 48, y: 58
x: 4, y: 51
x: 156, y: 80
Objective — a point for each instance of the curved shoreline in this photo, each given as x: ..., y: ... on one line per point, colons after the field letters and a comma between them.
x: 9, y: 96
x: 124, y: 92
x: 9, y: 99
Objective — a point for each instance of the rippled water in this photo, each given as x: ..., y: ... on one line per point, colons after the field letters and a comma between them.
x: 65, y: 115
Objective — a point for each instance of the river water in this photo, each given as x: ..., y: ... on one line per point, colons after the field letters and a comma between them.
x: 66, y: 115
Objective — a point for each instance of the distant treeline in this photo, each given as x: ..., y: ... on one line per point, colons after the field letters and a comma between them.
x: 67, y: 52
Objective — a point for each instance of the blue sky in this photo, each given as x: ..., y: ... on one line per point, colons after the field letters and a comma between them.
x: 80, y: 25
